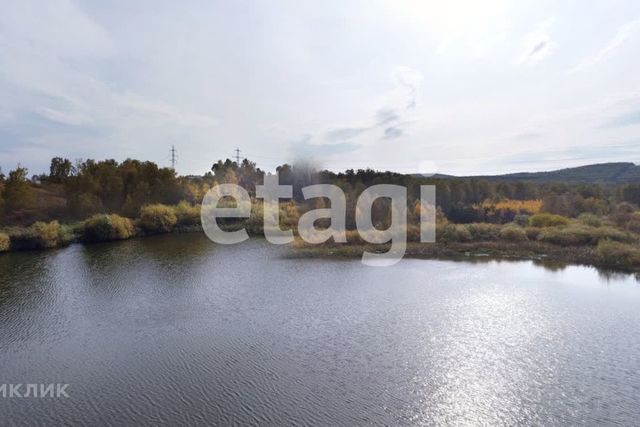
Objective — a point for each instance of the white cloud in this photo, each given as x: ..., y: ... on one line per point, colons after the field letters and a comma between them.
x: 623, y: 34
x: 63, y: 117
x: 392, y: 114
x: 538, y: 44
x: 408, y: 82
x: 53, y: 60
x: 98, y: 79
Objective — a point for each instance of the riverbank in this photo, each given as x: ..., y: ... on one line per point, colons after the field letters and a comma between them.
x: 607, y: 255
x: 543, y: 237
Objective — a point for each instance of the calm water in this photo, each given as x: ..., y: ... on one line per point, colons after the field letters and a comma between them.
x: 175, y: 330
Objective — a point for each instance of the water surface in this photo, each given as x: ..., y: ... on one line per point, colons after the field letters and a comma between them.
x: 175, y: 330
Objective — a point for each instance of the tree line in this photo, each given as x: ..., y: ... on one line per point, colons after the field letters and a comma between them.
x: 75, y: 191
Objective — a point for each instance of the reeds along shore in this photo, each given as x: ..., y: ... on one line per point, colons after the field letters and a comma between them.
x: 604, y: 241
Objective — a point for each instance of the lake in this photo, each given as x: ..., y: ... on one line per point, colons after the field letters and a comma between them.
x: 177, y: 330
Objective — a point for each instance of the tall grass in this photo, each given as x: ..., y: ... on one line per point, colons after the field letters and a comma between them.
x: 513, y: 233
x: 547, y: 220
x: 617, y: 255
x: 157, y: 219
x: 581, y: 235
x: 41, y: 235
x: 52, y: 234
x: 101, y: 228
x: 483, y: 232
x: 187, y: 215
x: 590, y: 219
x: 453, y: 233
x: 5, y: 242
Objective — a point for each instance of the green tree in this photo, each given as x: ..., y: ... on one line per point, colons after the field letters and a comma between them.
x: 60, y: 169
x: 18, y: 193
x: 631, y: 193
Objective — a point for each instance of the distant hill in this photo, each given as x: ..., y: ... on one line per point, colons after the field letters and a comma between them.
x: 602, y: 173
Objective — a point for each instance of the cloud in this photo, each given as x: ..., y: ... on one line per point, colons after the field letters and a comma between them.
x: 386, y: 115
x: 392, y: 132
x: 387, y: 119
x: 82, y: 78
x: 625, y: 32
x: 537, y: 49
x: 410, y: 80
x: 537, y: 44
x: 59, y: 91
x: 63, y: 117
x: 383, y: 117
x: 342, y: 134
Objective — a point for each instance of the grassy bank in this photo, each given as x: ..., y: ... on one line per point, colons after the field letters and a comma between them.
x: 602, y: 243
x: 153, y: 219
x: 606, y: 255
x: 599, y: 241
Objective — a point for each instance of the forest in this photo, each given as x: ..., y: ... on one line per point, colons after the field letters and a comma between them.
x: 108, y: 200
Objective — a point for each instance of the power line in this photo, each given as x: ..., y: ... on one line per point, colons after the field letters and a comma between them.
x: 264, y: 161
x: 173, y: 157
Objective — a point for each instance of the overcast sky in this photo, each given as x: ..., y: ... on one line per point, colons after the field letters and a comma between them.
x: 461, y: 87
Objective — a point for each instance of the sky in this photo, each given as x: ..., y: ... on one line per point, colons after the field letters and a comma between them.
x: 458, y: 86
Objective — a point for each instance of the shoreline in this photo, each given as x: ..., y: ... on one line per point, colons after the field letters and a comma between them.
x: 545, y: 253
x: 525, y: 251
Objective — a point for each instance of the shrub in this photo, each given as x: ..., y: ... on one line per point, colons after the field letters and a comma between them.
x: 616, y: 235
x: 414, y: 232
x: 521, y: 220
x: 289, y: 215
x: 100, y: 228
x: 513, y: 233
x: 47, y: 235
x: 353, y: 236
x: 483, y: 231
x: 548, y: 220
x: 579, y: 235
x: 570, y: 236
x: 590, y: 219
x: 625, y: 207
x: 40, y: 235
x: 22, y: 238
x: 615, y: 254
x: 5, y: 242
x: 85, y: 204
x: 454, y: 233
x: 634, y: 223
x: 186, y: 214
x: 622, y: 214
x: 66, y: 235
x: 532, y: 233
x: 157, y: 218
x: 255, y: 224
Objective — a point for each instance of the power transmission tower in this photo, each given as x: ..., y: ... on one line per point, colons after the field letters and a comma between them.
x: 237, y: 150
x: 174, y: 159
